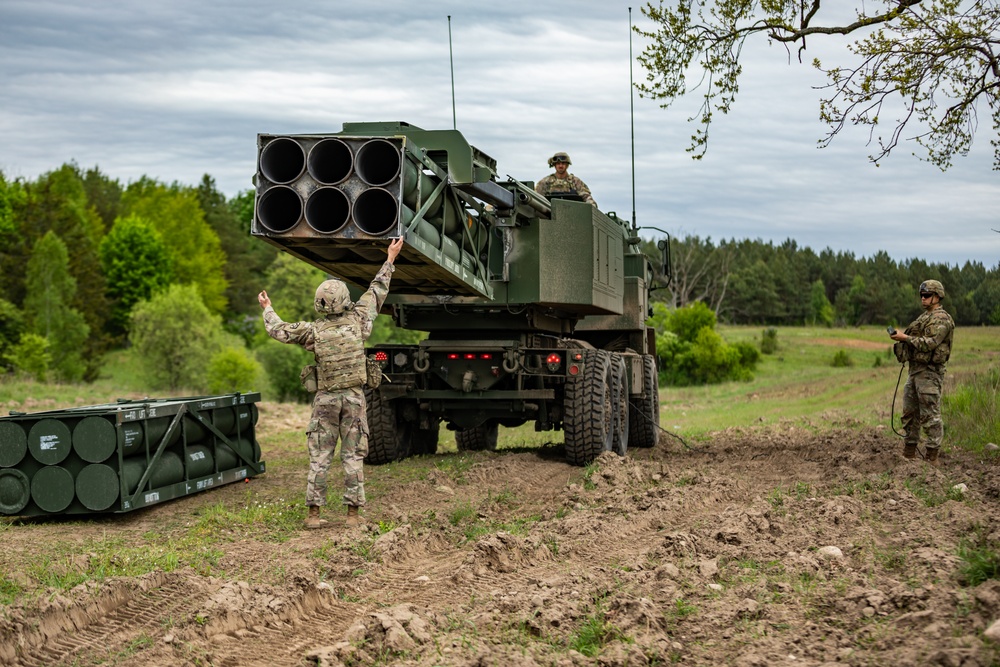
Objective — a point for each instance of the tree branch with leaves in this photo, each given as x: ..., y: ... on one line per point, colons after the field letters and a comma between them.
x: 939, y: 59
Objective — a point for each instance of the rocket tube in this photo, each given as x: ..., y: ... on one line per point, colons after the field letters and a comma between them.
x: 330, y: 161
x: 282, y: 160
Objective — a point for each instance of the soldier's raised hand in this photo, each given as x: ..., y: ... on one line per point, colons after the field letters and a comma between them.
x: 263, y: 299
x: 394, y: 249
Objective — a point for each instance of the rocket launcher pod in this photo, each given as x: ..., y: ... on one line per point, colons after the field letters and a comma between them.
x: 123, y: 456
x: 336, y: 200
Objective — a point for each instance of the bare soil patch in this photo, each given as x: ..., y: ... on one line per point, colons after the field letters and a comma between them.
x: 854, y: 344
x: 783, y: 546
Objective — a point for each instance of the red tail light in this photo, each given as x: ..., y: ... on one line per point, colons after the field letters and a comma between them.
x: 553, y: 362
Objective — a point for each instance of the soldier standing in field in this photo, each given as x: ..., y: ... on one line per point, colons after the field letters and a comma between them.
x: 337, y: 339
x: 562, y: 182
x: 926, y: 345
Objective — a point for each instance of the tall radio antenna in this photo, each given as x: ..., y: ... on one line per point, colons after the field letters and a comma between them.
x: 631, y: 109
x: 451, y: 60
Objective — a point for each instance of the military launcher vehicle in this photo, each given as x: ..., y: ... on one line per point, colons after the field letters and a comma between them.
x: 125, y: 455
x: 534, y: 308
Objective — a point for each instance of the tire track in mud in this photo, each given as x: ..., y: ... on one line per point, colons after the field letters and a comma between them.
x: 103, y: 628
x: 317, y: 618
x: 423, y: 572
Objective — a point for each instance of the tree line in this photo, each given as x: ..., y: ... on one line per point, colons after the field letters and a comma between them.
x: 757, y: 282
x: 89, y: 265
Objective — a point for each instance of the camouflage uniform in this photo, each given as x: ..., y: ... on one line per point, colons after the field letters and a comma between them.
x: 927, y: 351
x: 339, y: 408
x: 571, y: 185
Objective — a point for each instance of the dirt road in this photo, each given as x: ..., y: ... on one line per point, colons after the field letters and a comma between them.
x: 773, y: 547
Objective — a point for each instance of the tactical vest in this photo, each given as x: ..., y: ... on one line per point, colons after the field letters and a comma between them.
x: 561, y: 186
x: 340, y: 352
x: 922, y: 327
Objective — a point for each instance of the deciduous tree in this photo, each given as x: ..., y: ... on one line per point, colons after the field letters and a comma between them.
x: 196, y: 256
x: 930, y: 68
x: 136, y: 265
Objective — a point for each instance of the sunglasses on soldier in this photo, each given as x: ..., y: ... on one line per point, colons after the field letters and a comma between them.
x: 926, y: 295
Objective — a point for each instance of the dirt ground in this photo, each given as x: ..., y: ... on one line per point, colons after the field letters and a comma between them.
x: 780, y: 546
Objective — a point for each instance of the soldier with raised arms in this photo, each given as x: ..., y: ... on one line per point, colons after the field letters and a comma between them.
x: 926, y: 346
x: 562, y: 182
x: 339, y: 410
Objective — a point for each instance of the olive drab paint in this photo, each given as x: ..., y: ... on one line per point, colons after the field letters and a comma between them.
x: 534, y: 307
x: 123, y: 456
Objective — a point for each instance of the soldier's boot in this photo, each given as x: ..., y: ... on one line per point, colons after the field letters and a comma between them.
x: 313, y: 520
x: 352, y: 516
x: 910, y: 451
x: 932, y: 457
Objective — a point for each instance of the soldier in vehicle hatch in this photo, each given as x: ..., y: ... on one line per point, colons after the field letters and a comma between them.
x: 926, y: 346
x: 337, y: 339
x: 562, y: 182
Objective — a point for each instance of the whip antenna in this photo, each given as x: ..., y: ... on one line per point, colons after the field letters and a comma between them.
x: 631, y: 113
x: 451, y: 61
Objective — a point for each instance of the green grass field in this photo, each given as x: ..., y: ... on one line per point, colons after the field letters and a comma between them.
x: 799, y: 384
x: 796, y: 384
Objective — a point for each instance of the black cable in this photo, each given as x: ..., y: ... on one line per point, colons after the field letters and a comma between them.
x: 639, y: 412
x: 892, y: 412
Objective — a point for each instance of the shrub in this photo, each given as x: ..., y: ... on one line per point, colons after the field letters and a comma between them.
x: 688, y: 322
x: 283, y: 364
x: 749, y: 354
x: 176, y: 336
x: 31, y: 356
x: 842, y: 360
x: 690, y: 357
x: 769, y: 341
x: 233, y: 369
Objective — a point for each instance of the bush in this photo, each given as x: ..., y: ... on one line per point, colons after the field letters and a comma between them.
x: 749, y: 354
x: 688, y: 356
x: 176, y: 336
x: 31, y: 356
x: 842, y: 360
x: 234, y: 369
x: 283, y: 364
x: 769, y: 341
x: 688, y: 322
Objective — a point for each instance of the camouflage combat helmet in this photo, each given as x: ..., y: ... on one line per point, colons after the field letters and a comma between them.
x: 559, y: 157
x: 932, y: 287
x: 332, y: 298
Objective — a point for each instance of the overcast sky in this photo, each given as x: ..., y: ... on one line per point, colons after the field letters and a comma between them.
x: 174, y: 90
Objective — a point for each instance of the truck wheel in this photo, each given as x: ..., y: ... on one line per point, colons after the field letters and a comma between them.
x: 589, y: 420
x: 645, y: 410
x: 425, y: 441
x: 477, y: 438
x: 619, y: 443
x: 387, y: 438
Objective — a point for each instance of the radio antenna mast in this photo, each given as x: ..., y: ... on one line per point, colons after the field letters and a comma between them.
x: 631, y: 108
x: 451, y: 60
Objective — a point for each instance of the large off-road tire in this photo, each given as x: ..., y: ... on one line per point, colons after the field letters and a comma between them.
x: 644, y: 411
x: 388, y: 438
x: 477, y: 438
x: 590, y: 411
x: 619, y: 442
x: 425, y: 441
